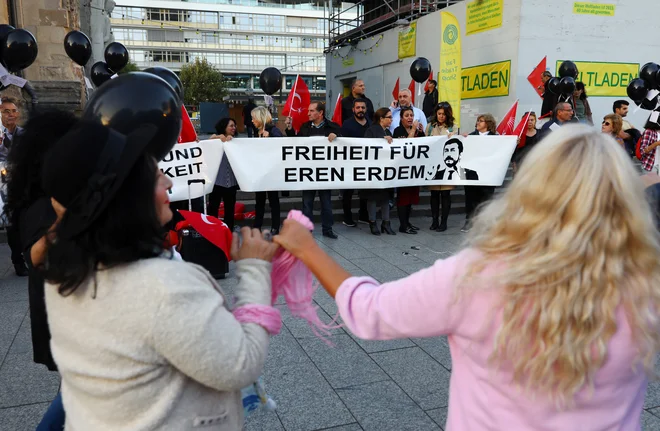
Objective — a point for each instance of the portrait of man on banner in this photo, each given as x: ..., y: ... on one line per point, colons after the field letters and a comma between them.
x: 452, y: 170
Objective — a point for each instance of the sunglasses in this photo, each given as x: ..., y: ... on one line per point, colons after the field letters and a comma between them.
x: 606, y: 123
x: 387, y: 116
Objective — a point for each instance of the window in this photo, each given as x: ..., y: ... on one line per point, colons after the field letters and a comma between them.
x: 124, y: 12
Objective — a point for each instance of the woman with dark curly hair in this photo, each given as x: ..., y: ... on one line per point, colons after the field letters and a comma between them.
x: 441, y: 125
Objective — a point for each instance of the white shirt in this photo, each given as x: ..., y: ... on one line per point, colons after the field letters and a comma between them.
x: 396, y: 117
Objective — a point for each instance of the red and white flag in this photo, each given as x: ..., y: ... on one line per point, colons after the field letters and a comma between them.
x: 336, y: 114
x: 521, y: 130
x: 395, y: 91
x: 211, y: 228
x: 188, y: 133
x: 534, y: 78
x: 297, y: 104
x: 411, y: 87
x: 426, y: 86
x: 509, y: 121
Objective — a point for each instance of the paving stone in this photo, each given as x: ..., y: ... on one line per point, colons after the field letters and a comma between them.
x: 262, y: 420
x: 412, y: 268
x: 23, y: 341
x: 24, y: 382
x: 373, y: 346
x: 652, y: 399
x: 300, y: 328
x: 12, y: 315
x: 439, y: 416
x: 419, y: 375
x: 396, y: 255
x: 650, y: 422
x: 22, y: 418
x: 349, y: 427
x: 383, y: 406
x: 437, y: 347
x: 13, y: 288
x: 379, y: 269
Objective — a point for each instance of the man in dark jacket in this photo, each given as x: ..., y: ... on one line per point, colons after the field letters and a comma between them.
x: 355, y: 127
x: 318, y: 125
x: 549, y: 98
x: 430, y: 99
x: 247, y: 118
x: 357, y: 92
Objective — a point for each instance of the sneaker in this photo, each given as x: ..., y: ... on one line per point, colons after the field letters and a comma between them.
x: 349, y: 223
x: 466, y: 227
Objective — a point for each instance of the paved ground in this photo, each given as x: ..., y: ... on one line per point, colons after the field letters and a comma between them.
x: 356, y: 385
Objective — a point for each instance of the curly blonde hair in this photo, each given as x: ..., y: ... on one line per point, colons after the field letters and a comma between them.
x: 576, y: 240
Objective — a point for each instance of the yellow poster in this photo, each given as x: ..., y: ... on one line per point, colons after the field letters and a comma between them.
x: 483, y: 15
x: 449, y: 76
x: 591, y: 8
x: 486, y: 80
x: 348, y: 62
x: 605, y: 79
x: 407, y: 41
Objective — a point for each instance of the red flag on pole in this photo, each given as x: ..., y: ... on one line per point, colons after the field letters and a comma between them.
x: 509, y: 121
x: 426, y: 86
x: 534, y: 78
x: 336, y: 114
x: 188, y: 133
x: 395, y: 91
x: 211, y: 228
x: 411, y: 87
x: 521, y: 130
x: 297, y: 103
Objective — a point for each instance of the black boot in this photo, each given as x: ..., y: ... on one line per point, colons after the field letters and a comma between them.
x: 374, y: 228
x: 435, y: 208
x: 385, y: 227
x: 446, y: 207
x: 410, y: 225
x: 404, y: 213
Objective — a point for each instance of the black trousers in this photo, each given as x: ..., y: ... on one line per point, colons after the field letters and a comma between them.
x: 228, y: 195
x: 260, y: 209
x: 476, y: 196
x: 14, y: 242
x: 438, y: 197
x: 347, y: 200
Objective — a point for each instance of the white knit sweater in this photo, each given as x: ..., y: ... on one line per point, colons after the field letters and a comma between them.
x: 157, y: 349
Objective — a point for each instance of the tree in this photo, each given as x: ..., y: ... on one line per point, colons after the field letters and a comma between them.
x: 130, y: 67
x: 201, y: 83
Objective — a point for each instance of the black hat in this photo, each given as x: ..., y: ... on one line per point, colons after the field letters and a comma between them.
x: 84, y: 170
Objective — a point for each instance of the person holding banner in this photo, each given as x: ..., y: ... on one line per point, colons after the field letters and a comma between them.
x: 263, y: 122
x: 441, y: 125
x: 405, y: 101
x: 532, y: 136
x: 226, y: 185
x: 406, y: 197
x: 552, y: 312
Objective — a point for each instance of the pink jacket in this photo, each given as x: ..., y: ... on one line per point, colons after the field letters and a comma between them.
x: 480, y: 398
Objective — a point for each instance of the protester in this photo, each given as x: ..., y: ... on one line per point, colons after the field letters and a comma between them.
x: 405, y: 101
x: 379, y: 197
x: 442, y: 124
x: 612, y: 124
x: 355, y: 127
x: 628, y: 133
x: 549, y: 98
x: 551, y: 312
x: 649, y: 147
x: 430, y: 99
x: 142, y: 341
x: 409, y: 127
x: 250, y: 129
x: 358, y: 91
x: 581, y: 104
x: 226, y: 185
x: 263, y: 121
x: 11, y: 114
x: 532, y: 137
x: 563, y: 114
x: 318, y: 125
x: 477, y: 195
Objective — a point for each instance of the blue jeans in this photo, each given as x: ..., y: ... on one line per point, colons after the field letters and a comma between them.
x: 326, y: 207
x: 53, y: 420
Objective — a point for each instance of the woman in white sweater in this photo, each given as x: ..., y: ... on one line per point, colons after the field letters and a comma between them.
x: 142, y: 341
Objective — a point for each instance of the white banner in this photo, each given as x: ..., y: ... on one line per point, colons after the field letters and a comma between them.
x: 359, y: 163
x: 262, y: 164
x: 193, y: 161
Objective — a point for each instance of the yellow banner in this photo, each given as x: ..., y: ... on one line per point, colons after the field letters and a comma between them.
x: 348, y: 62
x: 605, y: 79
x: 407, y: 41
x: 483, y: 15
x: 449, y: 76
x: 590, y: 8
x: 486, y: 80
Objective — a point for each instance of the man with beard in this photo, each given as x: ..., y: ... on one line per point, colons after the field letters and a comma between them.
x: 355, y: 127
x: 452, y: 156
x: 357, y: 92
x: 628, y: 133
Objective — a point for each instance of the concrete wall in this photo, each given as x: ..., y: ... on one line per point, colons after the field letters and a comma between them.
x: 531, y: 29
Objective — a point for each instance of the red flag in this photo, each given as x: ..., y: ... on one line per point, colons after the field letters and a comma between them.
x: 509, y: 121
x: 297, y: 103
x: 521, y: 130
x: 336, y: 114
x: 188, y: 133
x: 395, y: 92
x: 426, y: 86
x: 411, y: 87
x: 211, y: 228
x: 534, y: 78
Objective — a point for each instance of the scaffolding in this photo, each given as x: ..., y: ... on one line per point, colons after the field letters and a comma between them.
x: 366, y: 18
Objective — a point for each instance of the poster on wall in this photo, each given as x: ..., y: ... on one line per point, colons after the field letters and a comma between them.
x: 483, y: 15
x: 486, y: 80
x: 408, y: 41
x: 605, y: 79
x: 449, y: 75
x: 591, y: 8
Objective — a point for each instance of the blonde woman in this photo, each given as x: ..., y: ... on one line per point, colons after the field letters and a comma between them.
x: 263, y: 122
x: 552, y: 309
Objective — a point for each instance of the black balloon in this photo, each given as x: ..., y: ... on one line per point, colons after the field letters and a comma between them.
x: 78, y: 47
x: 637, y: 90
x: 648, y: 73
x: 568, y: 69
x: 567, y: 85
x: 169, y: 77
x: 270, y: 80
x: 420, y: 69
x: 647, y: 104
x: 5, y: 29
x: 100, y: 73
x: 554, y: 85
x: 19, y: 50
x: 116, y: 56
x: 131, y: 100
